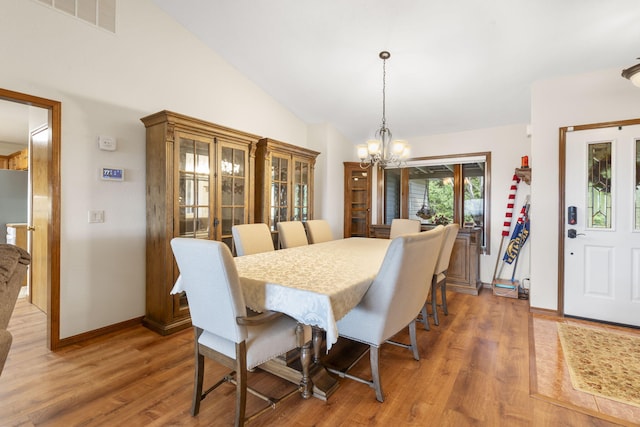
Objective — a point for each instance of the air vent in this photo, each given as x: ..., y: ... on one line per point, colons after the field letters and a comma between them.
x: 101, y: 13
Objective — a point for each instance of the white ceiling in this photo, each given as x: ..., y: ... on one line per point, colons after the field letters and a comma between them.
x: 455, y: 64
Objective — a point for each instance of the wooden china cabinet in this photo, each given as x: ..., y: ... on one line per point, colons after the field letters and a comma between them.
x: 284, y: 183
x: 357, y: 200
x: 199, y: 178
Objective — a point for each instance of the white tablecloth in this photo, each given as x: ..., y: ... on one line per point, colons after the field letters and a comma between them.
x: 316, y: 284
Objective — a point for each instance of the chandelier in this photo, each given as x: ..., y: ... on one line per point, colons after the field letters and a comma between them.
x: 383, y: 151
x: 633, y: 74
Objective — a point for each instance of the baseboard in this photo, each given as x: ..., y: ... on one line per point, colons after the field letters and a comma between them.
x: 544, y: 311
x: 98, y: 332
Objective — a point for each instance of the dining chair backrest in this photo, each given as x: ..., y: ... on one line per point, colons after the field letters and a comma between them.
x: 291, y: 234
x: 450, y: 234
x: 396, y: 296
x: 209, y: 277
x: 400, y: 226
x: 222, y: 330
x: 252, y: 238
x: 318, y: 231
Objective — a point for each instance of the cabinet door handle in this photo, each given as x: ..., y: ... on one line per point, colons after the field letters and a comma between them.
x: 31, y: 228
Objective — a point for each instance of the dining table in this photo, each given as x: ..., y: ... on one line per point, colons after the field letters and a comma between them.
x: 317, y: 285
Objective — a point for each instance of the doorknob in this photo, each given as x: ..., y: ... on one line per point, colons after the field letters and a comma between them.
x: 572, y: 233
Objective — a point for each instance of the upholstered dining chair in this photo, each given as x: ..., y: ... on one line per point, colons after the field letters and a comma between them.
x: 439, y: 279
x: 393, y: 300
x: 251, y: 238
x: 291, y: 234
x: 318, y: 231
x: 400, y: 226
x: 223, y: 332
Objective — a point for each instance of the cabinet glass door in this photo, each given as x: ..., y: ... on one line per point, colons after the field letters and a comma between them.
x: 279, y: 209
x: 359, y: 190
x: 194, y: 180
x: 301, y: 190
x: 233, y: 189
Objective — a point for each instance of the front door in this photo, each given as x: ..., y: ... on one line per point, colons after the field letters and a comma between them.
x: 602, y: 224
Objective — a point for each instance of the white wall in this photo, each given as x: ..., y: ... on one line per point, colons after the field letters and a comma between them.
x: 507, y: 145
x: 106, y: 83
x: 601, y: 96
x: 329, y: 196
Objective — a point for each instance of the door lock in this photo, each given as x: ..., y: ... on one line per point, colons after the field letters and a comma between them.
x: 572, y: 233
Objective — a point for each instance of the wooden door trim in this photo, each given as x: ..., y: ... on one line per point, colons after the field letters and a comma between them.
x: 561, y: 185
x: 53, y: 286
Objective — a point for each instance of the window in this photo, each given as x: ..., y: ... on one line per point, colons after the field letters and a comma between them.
x: 440, y: 190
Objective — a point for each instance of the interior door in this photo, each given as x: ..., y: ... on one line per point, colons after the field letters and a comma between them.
x: 39, y: 216
x: 602, y: 227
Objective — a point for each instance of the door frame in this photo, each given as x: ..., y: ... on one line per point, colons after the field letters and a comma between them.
x: 53, y: 259
x: 562, y: 217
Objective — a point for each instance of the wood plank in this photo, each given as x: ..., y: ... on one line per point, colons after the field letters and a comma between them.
x: 474, y: 370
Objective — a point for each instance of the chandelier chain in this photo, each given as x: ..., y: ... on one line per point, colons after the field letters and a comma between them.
x: 384, y: 93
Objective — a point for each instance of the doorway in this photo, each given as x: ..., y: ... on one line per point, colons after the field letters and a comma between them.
x: 44, y: 217
x: 599, y: 242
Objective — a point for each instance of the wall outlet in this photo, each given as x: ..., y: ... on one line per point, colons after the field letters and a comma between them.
x: 96, y: 216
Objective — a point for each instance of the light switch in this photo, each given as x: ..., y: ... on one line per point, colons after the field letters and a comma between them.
x: 96, y: 216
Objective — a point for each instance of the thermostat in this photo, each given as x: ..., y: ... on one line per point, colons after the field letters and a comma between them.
x: 112, y: 174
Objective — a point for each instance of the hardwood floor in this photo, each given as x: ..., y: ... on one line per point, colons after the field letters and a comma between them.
x: 474, y: 370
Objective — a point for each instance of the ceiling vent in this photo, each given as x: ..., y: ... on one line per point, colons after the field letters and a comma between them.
x: 101, y: 13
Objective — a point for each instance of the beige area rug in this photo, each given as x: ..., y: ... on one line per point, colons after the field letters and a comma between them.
x: 603, y: 363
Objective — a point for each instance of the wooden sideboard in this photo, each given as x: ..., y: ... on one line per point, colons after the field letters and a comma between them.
x: 463, y: 274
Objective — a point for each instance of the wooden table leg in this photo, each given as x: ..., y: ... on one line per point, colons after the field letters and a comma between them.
x: 306, y: 385
x: 312, y: 378
x: 305, y: 382
x: 317, y: 338
x: 323, y: 383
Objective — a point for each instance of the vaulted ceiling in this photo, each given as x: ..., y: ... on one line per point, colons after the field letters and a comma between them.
x: 455, y: 64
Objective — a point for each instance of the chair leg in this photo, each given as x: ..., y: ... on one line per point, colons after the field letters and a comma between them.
x: 241, y: 383
x: 443, y: 290
x: 198, y: 377
x: 414, y: 340
x: 374, y: 357
x: 434, y: 301
x: 425, y: 317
